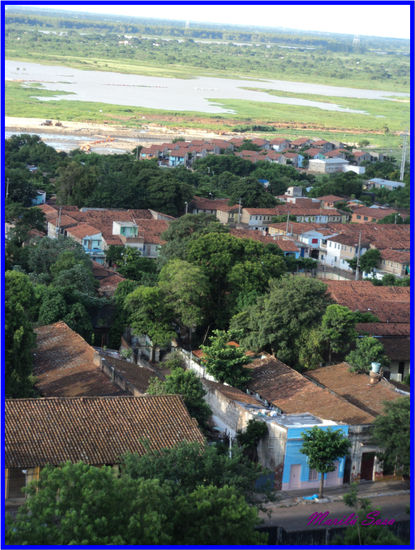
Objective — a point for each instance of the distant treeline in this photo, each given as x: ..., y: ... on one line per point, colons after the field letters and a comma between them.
x: 122, y: 25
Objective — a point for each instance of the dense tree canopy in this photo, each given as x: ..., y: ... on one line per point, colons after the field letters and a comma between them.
x: 19, y: 336
x: 226, y: 362
x: 278, y: 320
x: 392, y: 432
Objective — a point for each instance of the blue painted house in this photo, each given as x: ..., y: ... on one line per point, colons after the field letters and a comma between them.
x: 40, y: 198
x: 297, y: 473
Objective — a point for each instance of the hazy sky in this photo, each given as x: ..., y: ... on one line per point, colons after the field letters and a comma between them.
x: 375, y: 20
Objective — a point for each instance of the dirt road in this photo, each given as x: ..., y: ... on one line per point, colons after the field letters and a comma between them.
x: 118, y: 137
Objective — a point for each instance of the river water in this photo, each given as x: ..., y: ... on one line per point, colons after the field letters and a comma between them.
x: 173, y: 93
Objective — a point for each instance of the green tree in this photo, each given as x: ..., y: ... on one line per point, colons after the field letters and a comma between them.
x: 392, y: 432
x: 188, y: 465
x: 226, y: 362
x: 133, y: 266
x: 185, y: 229
x: 188, y: 289
x: 323, y: 448
x: 249, y: 439
x: 149, y: 314
x: 19, y: 338
x: 311, y: 349
x: 368, y: 350
x: 81, y: 504
x: 76, y: 183
x: 78, y: 320
x: 187, y: 384
x: 338, y: 329
x: 53, y: 307
x: 201, y: 514
x: 368, y: 261
x: 280, y: 317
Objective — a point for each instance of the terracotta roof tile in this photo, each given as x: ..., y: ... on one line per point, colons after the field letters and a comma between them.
x: 355, y: 387
x: 232, y: 394
x: 64, y: 365
x: 398, y: 256
x: 397, y: 349
x: 201, y: 203
x: 286, y: 246
x: 293, y: 393
x: 384, y: 329
x: 96, y: 430
x: 82, y: 230
x: 389, y: 303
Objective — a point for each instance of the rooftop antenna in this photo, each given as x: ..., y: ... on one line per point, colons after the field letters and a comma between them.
x: 404, y: 148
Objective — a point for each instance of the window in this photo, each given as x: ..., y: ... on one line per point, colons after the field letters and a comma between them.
x: 358, y: 217
x: 366, y: 218
x: 312, y: 475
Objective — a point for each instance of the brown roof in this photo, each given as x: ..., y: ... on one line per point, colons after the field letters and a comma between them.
x: 312, y: 151
x: 377, y: 213
x: 384, y: 329
x: 330, y: 198
x: 397, y: 256
x: 201, y: 203
x: 64, y: 365
x: 293, y: 393
x: 397, y: 349
x: 300, y: 141
x: 230, y: 393
x: 277, y: 141
x: 136, y: 375
x: 82, y: 230
x: 95, y: 430
x: 286, y: 246
x: 388, y: 303
x: 355, y: 387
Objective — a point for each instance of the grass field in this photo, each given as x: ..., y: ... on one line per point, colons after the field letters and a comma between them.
x: 290, y: 121
x: 186, y: 71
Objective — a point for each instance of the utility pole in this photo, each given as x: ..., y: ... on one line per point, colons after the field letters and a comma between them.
x: 405, y: 144
x: 58, y: 225
x: 136, y: 153
x: 358, y: 257
x: 239, y: 209
x: 7, y: 187
x: 186, y: 207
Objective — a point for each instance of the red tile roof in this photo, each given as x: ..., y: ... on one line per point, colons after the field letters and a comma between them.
x: 201, y: 203
x: 64, y: 365
x: 230, y: 393
x: 398, y: 256
x: 82, y: 230
x: 397, y: 349
x: 377, y: 213
x: 95, y: 430
x: 355, y: 387
x: 384, y: 329
x: 293, y: 393
x: 286, y: 246
x: 330, y: 198
x: 278, y: 141
x: 391, y: 304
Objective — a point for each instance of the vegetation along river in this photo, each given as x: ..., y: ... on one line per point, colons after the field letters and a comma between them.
x: 172, y: 93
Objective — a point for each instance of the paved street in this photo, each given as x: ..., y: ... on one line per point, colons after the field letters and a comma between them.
x: 292, y: 512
